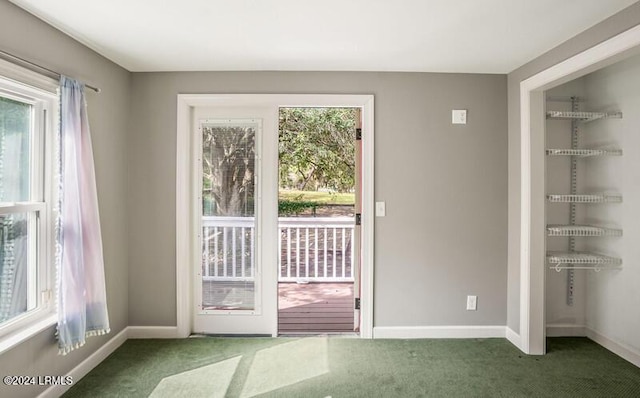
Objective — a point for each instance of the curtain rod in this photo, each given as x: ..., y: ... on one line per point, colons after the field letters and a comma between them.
x: 33, y: 66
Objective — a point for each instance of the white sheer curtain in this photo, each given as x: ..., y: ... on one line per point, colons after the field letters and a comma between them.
x: 82, y: 304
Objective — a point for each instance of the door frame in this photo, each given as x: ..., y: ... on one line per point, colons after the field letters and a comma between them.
x: 532, y: 333
x: 184, y: 202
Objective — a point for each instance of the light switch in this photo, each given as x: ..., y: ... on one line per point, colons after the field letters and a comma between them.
x: 381, y: 209
x: 472, y: 303
x: 459, y: 116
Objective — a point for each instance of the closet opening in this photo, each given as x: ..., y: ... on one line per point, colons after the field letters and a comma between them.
x: 579, y: 124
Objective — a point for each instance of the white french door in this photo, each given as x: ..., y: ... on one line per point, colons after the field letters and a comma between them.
x: 235, y: 219
x: 252, y: 307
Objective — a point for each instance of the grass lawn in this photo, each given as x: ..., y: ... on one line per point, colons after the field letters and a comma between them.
x: 318, y: 197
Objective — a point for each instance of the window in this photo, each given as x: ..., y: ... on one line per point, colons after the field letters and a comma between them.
x: 27, y: 138
x: 229, y: 183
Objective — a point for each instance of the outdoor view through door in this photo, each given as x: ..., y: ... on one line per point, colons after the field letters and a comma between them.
x: 318, y: 255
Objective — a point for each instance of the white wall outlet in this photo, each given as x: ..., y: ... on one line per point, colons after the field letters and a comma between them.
x: 381, y: 209
x: 459, y: 116
x: 472, y: 303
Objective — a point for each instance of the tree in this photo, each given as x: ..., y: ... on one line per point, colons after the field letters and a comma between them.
x: 317, y: 148
x: 316, y: 151
x: 228, y: 167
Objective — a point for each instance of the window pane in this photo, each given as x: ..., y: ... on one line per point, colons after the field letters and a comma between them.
x: 228, y: 222
x: 228, y: 170
x: 15, y: 267
x: 15, y: 150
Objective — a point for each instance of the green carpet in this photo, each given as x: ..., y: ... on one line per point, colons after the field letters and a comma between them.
x: 350, y: 367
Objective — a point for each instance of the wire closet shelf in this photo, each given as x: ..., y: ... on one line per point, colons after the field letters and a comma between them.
x: 573, y: 259
x: 584, y: 152
x: 586, y: 198
x: 581, y: 230
x: 582, y: 260
x: 583, y: 116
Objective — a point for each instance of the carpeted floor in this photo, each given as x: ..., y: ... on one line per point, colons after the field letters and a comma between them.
x: 349, y: 367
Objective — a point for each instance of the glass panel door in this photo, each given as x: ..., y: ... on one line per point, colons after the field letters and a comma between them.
x: 235, y: 220
x: 229, y: 223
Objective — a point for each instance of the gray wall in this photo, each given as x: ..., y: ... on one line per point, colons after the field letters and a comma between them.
x: 610, y: 27
x: 613, y: 297
x: 444, y: 235
x: 28, y: 37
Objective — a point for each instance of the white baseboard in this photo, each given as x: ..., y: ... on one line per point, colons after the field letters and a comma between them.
x: 437, y: 332
x: 566, y: 330
x: 153, y: 332
x: 622, y: 350
x: 88, y: 364
x: 514, y: 338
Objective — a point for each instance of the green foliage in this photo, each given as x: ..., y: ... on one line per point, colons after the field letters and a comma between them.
x: 317, y: 148
x: 319, y: 197
x: 291, y: 207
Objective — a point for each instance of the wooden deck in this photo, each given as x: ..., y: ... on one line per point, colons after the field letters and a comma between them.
x: 315, y: 308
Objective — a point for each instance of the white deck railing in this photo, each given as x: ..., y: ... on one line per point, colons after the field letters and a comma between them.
x: 228, y: 248
x: 311, y: 249
x: 316, y: 249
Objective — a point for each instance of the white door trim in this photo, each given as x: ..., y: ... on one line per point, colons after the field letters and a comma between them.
x: 184, y: 258
x: 532, y: 201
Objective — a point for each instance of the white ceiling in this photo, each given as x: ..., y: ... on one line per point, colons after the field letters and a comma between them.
x: 482, y: 36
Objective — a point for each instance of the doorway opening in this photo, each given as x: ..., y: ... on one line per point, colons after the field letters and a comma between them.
x: 207, y: 116
x: 318, y: 202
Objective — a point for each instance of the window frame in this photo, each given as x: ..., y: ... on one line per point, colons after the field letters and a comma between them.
x: 29, y: 87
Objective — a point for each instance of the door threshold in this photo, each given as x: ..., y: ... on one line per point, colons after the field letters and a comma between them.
x: 202, y: 335
x: 319, y: 334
